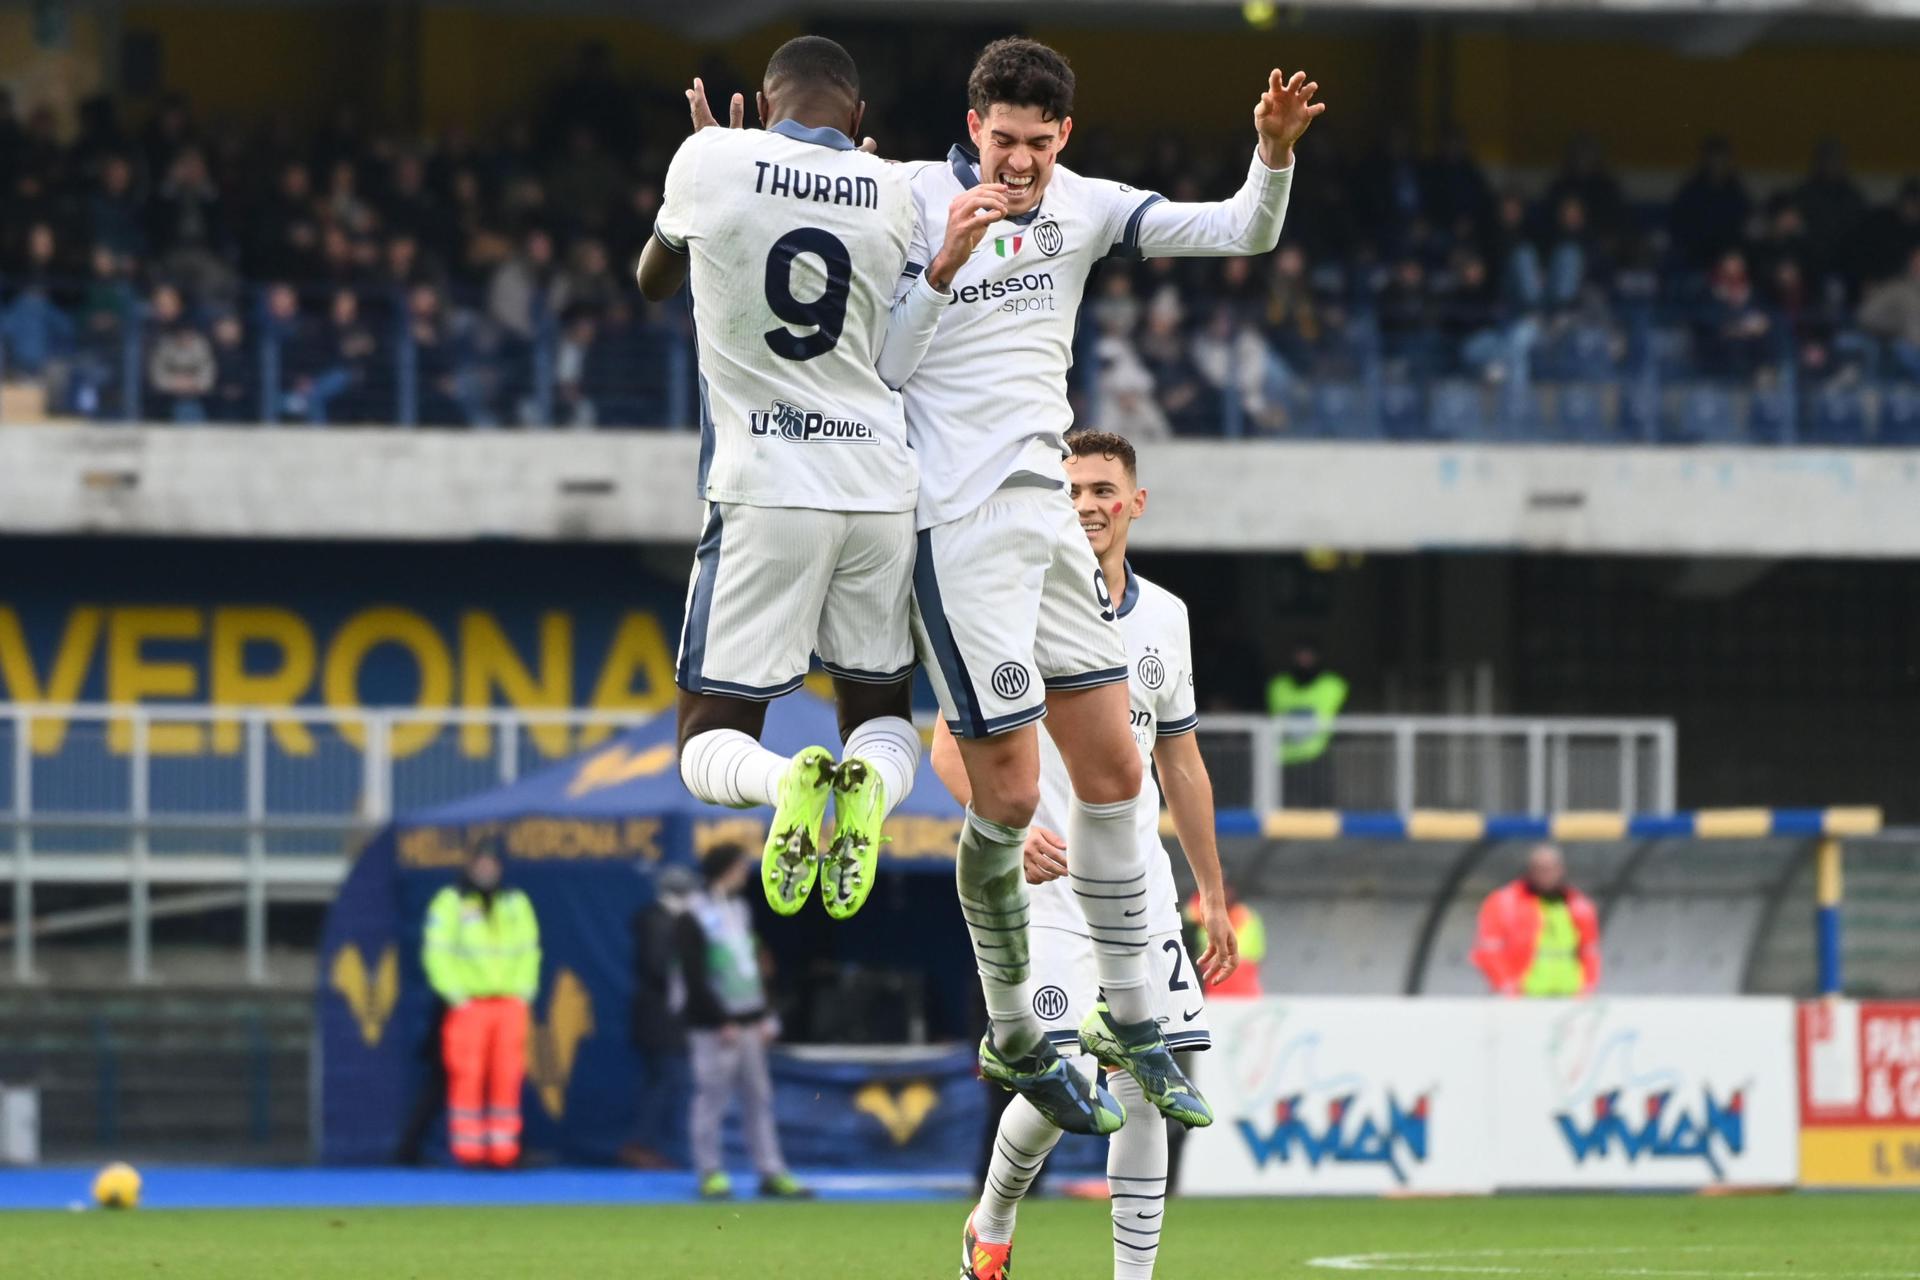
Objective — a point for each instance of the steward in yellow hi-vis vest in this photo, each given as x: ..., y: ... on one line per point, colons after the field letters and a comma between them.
x: 1309, y: 699
x: 482, y: 956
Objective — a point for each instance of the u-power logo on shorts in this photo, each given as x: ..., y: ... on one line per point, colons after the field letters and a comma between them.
x: 1049, y: 1004
x: 805, y: 426
x: 1010, y: 679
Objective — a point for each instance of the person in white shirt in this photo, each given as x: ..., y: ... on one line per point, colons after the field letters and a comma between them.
x: 1014, y: 617
x: 793, y: 238
x: 1103, y: 483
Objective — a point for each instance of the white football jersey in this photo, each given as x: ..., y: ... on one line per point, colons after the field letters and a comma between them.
x: 1153, y: 621
x: 989, y: 399
x: 797, y: 240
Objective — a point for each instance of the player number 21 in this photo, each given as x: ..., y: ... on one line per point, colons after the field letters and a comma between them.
x: 826, y: 315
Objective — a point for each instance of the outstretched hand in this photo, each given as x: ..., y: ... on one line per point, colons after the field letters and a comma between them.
x: 1283, y: 114
x: 703, y: 117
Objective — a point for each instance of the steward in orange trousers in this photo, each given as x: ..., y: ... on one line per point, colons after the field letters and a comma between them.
x: 482, y: 955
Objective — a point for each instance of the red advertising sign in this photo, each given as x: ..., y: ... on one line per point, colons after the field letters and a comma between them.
x: 1860, y: 1093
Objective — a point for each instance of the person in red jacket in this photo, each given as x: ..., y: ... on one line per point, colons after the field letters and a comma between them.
x: 1539, y: 936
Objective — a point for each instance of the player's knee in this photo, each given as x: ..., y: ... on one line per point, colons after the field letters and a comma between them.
x: 1118, y: 780
x: 1010, y: 801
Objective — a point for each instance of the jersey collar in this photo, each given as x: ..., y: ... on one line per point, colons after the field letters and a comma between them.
x: 819, y: 137
x: 1131, y: 596
x: 965, y: 162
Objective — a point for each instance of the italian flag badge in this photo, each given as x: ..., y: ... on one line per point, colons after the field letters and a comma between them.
x: 1007, y: 246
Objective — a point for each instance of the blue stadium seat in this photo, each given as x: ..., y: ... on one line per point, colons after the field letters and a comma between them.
x: 1837, y: 415
x: 1771, y: 418
x: 1581, y: 411
x: 1900, y: 415
x: 1342, y: 410
x: 1401, y: 410
x: 1703, y: 414
x: 1639, y: 411
x: 1458, y: 410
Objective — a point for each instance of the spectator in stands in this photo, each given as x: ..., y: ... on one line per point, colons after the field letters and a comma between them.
x: 1829, y: 200
x: 35, y: 330
x: 481, y: 953
x: 572, y: 406
x: 519, y: 294
x: 345, y: 352
x: 187, y: 231
x: 285, y: 233
x: 1191, y: 405
x: 1585, y: 178
x: 235, y: 396
x: 1409, y: 336
x: 1889, y: 235
x: 1709, y: 212
x: 1126, y: 404
x: 1736, y: 336
x: 1240, y: 369
x: 114, y: 220
x: 436, y: 362
x: 730, y: 1026
x: 659, y: 1025
x: 1891, y: 313
x: 1459, y: 199
x: 181, y: 369
x: 1538, y: 935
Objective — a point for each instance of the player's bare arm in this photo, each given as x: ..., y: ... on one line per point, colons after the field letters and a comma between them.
x: 660, y: 272
x: 1189, y: 791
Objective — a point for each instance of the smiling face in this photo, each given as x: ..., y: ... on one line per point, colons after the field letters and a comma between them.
x: 1018, y: 146
x: 1106, y: 498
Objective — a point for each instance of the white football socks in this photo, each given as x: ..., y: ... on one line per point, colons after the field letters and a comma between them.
x: 1109, y: 877
x: 726, y: 766
x: 892, y: 747
x: 1137, y: 1180
x: 1020, y: 1147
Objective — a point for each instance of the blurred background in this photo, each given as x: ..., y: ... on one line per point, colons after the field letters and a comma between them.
x: 1560, y: 461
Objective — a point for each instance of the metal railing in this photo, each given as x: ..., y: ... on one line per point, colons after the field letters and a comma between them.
x: 219, y: 807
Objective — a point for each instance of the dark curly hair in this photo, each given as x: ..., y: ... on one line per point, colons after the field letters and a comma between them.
x: 1021, y: 73
x: 1086, y: 442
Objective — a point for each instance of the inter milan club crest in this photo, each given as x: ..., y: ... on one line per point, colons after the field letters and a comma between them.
x: 1049, y: 237
x: 1153, y: 673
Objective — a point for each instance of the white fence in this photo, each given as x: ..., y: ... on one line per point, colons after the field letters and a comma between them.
x: 244, y: 805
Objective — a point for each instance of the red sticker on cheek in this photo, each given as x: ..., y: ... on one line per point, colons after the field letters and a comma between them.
x: 1117, y: 506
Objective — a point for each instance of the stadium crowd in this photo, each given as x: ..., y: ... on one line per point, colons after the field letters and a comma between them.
x: 183, y: 272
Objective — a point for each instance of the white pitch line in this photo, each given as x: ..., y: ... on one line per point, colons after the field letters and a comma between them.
x: 1457, y: 1262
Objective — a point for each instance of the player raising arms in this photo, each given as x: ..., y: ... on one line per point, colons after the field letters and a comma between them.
x: 1013, y: 615
x: 1103, y: 482
x: 793, y: 238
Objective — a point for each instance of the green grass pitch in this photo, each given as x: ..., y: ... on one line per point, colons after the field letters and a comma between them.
x: 1802, y: 1237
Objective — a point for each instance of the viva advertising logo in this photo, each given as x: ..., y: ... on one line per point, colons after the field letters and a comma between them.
x: 1712, y: 1132
x: 1346, y: 1136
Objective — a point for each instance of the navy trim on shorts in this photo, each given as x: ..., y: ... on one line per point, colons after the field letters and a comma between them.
x: 914, y: 268
x: 1086, y: 679
x: 953, y: 668
x: 746, y: 692
x: 667, y: 244
x: 1174, y: 728
x: 868, y: 677
x: 1193, y: 1041
x: 999, y: 724
x: 693, y: 632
